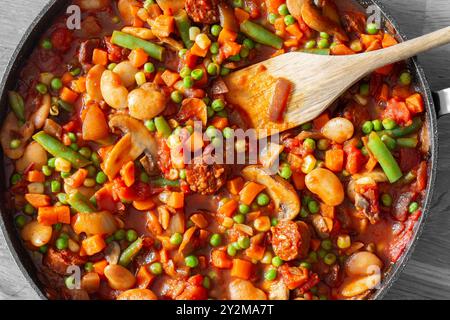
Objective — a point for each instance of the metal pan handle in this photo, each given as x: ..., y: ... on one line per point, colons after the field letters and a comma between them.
x: 442, y: 102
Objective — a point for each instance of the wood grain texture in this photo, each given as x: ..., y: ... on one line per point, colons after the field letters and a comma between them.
x: 427, y: 275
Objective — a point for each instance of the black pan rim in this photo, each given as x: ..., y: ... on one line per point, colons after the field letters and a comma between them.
x: 54, y: 7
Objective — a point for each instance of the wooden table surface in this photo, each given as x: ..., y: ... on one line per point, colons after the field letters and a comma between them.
x: 427, y: 275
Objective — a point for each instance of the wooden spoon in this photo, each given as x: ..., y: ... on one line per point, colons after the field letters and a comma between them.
x: 316, y: 80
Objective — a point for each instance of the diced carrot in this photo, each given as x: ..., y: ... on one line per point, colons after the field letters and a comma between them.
x: 226, y: 35
x: 249, y: 192
x: 79, y: 85
x: 241, y: 269
x: 280, y: 26
x: 170, y: 77
x: 371, y: 164
x: 144, y: 205
x: 278, y: 53
x: 103, y: 151
x: 35, y: 176
x: 66, y: 78
x: 127, y: 173
x: 252, y: 215
x: 367, y: 40
x: 158, y: 78
x: 100, y: 57
x: 154, y: 10
x: 176, y: 200
x: 100, y: 266
x: 144, y: 278
x: 334, y: 160
x: 138, y: 57
x: 327, y: 211
x: 230, y: 48
x: 163, y: 25
x: 199, y: 52
x: 220, y: 259
x: 376, y: 45
x: 341, y: 49
x: 292, y: 42
x: 241, y: 15
x: 298, y: 178
x: 400, y: 91
x: 68, y: 95
x: 273, y: 5
x: 38, y: 200
x: 199, y: 220
x: 384, y: 93
x: 219, y: 122
x: 228, y: 208
x: 93, y: 244
x: 388, y: 41
x: 77, y: 179
x: 320, y: 121
x: 235, y: 185
x: 255, y: 252
x: 415, y: 103
x: 386, y: 70
x: 52, y: 215
x: 294, y: 30
x: 190, y: 59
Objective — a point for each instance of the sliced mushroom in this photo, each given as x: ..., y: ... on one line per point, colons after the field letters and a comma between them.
x: 193, y: 108
x: 41, y: 114
x: 112, y: 252
x: 10, y: 131
x: 287, y: 202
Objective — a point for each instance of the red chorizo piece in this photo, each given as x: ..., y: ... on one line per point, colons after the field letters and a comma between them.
x: 203, y: 11
x: 61, y: 39
x: 206, y: 179
x: 59, y: 261
x: 291, y: 239
x: 85, y: 52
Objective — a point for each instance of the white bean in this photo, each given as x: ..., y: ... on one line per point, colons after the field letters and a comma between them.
x: 338, y: 129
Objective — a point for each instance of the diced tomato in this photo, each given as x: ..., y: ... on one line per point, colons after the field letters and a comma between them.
x: 397, y: 111
x: 61, y: 39
x: 355, y: 159
x: 422, y: 175
x: 138, y: 191
x: 293, y: 277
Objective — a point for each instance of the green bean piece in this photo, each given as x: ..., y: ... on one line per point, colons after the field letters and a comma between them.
x: 17, y: 105
x: 58, y: 149
x: 161, y: 182
x: 80, y: 203
x: 261, y: 35
x: 404, y: 131
x: 183, y: 24
x: 162, y: 126
x: 129, y: 253
x: 322, y: 52
x: 65, y: 105
x: 389, y: 142
x: 384, y: 157
x: 131, y: 42
x: 407, y: 142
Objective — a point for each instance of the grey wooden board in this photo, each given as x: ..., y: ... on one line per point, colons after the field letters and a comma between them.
x: 427, y: 275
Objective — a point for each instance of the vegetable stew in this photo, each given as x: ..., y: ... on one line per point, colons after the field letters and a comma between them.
x: 109, y: 171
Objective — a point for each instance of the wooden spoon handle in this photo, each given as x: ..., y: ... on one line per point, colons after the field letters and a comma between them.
x: 405, y: 50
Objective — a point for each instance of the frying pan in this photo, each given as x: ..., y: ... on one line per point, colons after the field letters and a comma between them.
x: 436, y: 104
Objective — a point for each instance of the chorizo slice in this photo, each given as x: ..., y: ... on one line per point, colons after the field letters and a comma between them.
x: 203, y: 11
x: 59, y: 261
x: 290, y: 240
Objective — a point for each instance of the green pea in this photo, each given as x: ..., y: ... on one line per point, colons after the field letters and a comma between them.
x: 231, y: 250
x: 197, y: 74
x: 389, y: 124
x: 46, y: 171
x: 312, y: 257
x: 329, y: 259
x: 41, y: 88
x: 72, y: 136
x: 313, y: 206
x: 211, y: 132
x: 305, y: 265
x: 55, y: 186
x: 310, y: 44
x: 377, y: 125
x: 20, y: 221
x: 150, y: 125
x: 74, y: 147
x: 239, y: 218
x: 372, y: 28
x: 185, y: 72
x: 244, y: 53
x: 89, y: 266
x: 120, y: 234
x: 15, y: 178
x: 367, y: 127
x: 215, y: 30
x: 323, y: 144
x: 244, y: 209
x: 224, y: 71
x: 323, y: 44
x: 43, y: 249
x: 56, y: 84
x: 272, y: 17
x: 176, y: 239
x: 214, y: 49
x: 309, y: 144
x: 213, y: 69
x: 285, y: 172
x: 270, y: 274
x: 51, y: 162
x: 85, y: 152
x: 156, y: 268
x: 262, y: 199
x: 364, y: 89
x: 386, y: 199
x: 15, y: 143
x: 244, y: 242
x: 288, y: 20
x: 206, y: 283
x: 149, y: 67
x: 101, y: 177
x: 324, y: 35
x: 61, y: 243
x: 413, y: 207
x: 57, y: 227
x: 222, y: 113
x: 405, y: 78
x: 283, y: 10
x: 131, y: 235
x: 182, y: 174
x: 65, y: 175
x: 277, y: 261
x: 273, y: 222
x: 304, y: 213
x: 62, y: 197
x: 176, y: 97
x: 228, y: 133
x: 326, y: 244
x: 191, y: 261
x: 248, y: 43
x: 238, y: 3
x: 188, y: 82
x: 46, y: 44
x: 215, y: 240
